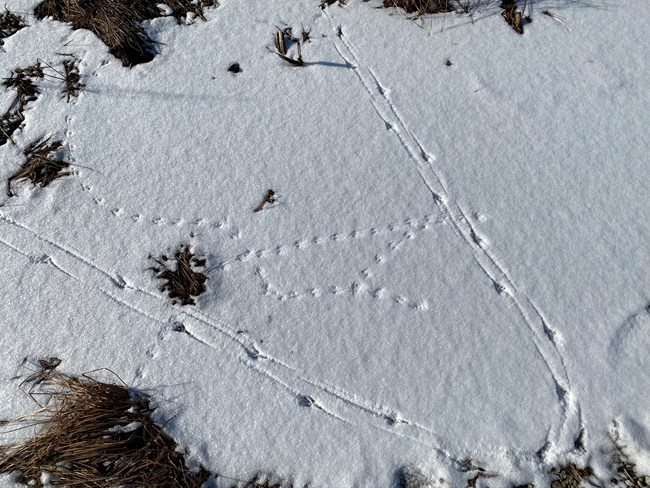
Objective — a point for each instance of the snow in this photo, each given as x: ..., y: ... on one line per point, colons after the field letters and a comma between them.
x: 456, y: 265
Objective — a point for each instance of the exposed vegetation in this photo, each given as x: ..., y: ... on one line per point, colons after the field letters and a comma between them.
x: 44, y: 164
x: 182, y: 282
x: 93, y: 434
x: 10, y: 23
x: 118, y: 23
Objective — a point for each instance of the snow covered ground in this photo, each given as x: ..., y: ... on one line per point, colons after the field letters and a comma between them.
x: 456, y: 265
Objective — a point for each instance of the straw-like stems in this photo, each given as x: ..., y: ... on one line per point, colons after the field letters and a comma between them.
x: 96, y: 435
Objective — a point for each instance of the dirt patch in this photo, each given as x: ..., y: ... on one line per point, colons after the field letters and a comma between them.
x: 93, y: 434
x: 182, y: 279
x: 44, y: 164
x: 118, y: 23
x: 10, y: 23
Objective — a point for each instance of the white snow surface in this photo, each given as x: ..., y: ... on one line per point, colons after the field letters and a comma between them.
x: 457, y: 265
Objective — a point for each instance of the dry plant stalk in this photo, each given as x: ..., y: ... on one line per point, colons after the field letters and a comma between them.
x: 22, y: 81
x: 41, y: 167
x: 282, y: 37
x: 181, y: 280
x: 269, y: 198
x: 118, y: 23
x: 93, y: 434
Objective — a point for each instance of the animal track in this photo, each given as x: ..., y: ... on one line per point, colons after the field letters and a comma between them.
x: 548, y: 348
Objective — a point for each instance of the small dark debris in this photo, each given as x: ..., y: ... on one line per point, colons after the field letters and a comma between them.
x: 49, y: 364
x: 269, y: 198
x: 448, y: 62
x: 235, y: 68
x: 179, y: 327
x: 182, y: 282
x: 306, y: 401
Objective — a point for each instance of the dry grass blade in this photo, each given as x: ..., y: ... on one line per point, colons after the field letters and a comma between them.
x: 10, y: 23
x: 282, y: 38
x: 42, y: 166
x: 182, y: 282
x: 96, y: 435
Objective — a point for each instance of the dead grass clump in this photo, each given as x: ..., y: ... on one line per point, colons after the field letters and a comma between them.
x: 182, y: 282
x: 624, y: 470
x: 10, y: 23
x: 43, y: 164
x: 421, y: 7
x: 22, y: 81
x: 261, y: 480
x: 570, y: 476
x: 118, y: 23
x: 96, y: 435
x: 512, y: 15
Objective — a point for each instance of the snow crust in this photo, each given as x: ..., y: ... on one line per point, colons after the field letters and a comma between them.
x: 456, y: 266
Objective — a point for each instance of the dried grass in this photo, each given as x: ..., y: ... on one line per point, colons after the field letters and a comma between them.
x: 512, y: 15
x: 22, y: 81
x: 261, y: 480
x: 182, y: 282
x: 118, y: 23
x: 422, y: 7
x: 43, y: 164
x: 10, y: 23
x: 570, y: 476
x: 95, y: 435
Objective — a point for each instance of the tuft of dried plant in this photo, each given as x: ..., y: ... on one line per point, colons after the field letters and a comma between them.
x: 570, y: 476
x: 182, y: 282
x: 10, y: 23
x: 43, y: 164
x: 118, y: 23
x: 93, y: 434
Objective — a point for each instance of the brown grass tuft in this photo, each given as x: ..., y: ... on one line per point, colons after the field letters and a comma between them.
x: 22, y: 81
x: 42, y: 165
x: 182, y: 282
x: 421, y: 7
x: 261, y: 480
x: 512, y: 15
x: 570, y: 476
x: 93, y: 434
x: 118, y: 23
x: 10, y: 23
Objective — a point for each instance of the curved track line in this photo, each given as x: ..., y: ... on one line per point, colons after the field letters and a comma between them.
x: 542, y: 335
x: 343, y: 406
